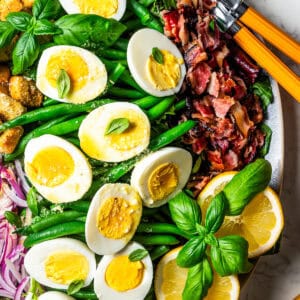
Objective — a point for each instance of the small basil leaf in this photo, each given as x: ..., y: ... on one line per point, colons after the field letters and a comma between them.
x: 46, y: 9
x: 43, y: 27
x: 157, y: 55
x: 268, y: 138
x: 210, y: 239
x: 63, y: 84
x: 13, y: 219
x: 138, y: 254
x: 215, y: 213
x: 32, y: 201
x: 199, y: 280
x: 185, y: 212
x: 75, y: 286
x: 230, y: 256
x: 263, y: 90
x: 19, y: 20
x: 7, y: 33
x: 191, y: 253
x: 201, y: 230
x: 117, y: 126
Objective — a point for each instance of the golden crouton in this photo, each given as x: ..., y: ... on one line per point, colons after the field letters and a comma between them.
x: 28, y: 3
x: 10, y: 108
x: 9, y: 139
x: 7, y: 6
x: 25, y: 91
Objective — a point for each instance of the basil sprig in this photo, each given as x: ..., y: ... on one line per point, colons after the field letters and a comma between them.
x: 138, y: 254
x: 157, y: 55
x: 63, y: 84
x: 19, y: 20
x: 75, y: 286
x: 117, y: 126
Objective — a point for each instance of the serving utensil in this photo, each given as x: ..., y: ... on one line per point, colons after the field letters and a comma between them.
x: 233, y: 15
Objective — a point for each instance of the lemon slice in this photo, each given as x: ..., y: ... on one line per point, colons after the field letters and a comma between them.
x: 170, y: 280
x: 260, y: 223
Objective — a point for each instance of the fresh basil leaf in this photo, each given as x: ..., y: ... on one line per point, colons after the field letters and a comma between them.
x: 191, y: 253
x: 199, y: 280
x: 45, y: 27
x: 7, y: 33
x: 117, y: 126
x: 75, y: 286
x: 138, y: 254
x: 185, y: 212
x: 88, y: 31
x: 157, y: 55
x: 215, y: 213
x: 25, y: 53
x: 19, y: 20
x: 230, y: 256
x: 263, y: 90
x: 63, y: 84
x: 32, y: 201
x: 46, y: 9
x: 13, y: 219
x: 211, y: 240
x: 201, y: 230
x: 268, y: 137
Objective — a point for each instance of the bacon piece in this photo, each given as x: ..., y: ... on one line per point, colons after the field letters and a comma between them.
x: 183, y: 33
x: 214, y: 85
x: 215, y: 159
x: 231, y: 160
x: 199, y: 77
x: 220, y: 55
x: 199, y: 145
x: 194, y: 53
x: 205, y: 111
x: 222, y: 106
x: 223, y: 128
x: 171, y: 28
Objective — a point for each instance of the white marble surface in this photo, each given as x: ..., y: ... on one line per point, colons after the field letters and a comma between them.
x: 277, y: 277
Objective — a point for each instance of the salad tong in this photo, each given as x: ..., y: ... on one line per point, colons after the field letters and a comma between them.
x: 235, y: 16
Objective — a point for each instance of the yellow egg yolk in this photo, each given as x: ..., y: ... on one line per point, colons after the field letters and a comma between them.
x: 103, y: 8
x: 123, y: 275
x: 66, y: 266
x: 73, y: 64
x: 115, y: 218
x: 163, y: 181
x: 50, y: 167
x: 167, y: 75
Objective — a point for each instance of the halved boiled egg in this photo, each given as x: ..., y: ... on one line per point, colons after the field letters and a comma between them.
x: 58, y: 262
x: 113, y: 217
x: 57, y: 169
x: 102, y: 137
x: 159, y: 77
x: 105, y: 8
x: 119, y: 278
x: 161, y: 175
x: 87, y: 74
x: 54, y: 295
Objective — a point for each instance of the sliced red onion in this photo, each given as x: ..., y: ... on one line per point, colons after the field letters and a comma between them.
x: 15, y: 198
x: 21, y: 288
x: 13, y: 270
x: 7, y: 294
x: 10, y: 177
x: 21, y: 175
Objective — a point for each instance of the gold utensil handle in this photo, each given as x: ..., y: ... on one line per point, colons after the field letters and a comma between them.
x: 271, y: 33
x: 269, y: 61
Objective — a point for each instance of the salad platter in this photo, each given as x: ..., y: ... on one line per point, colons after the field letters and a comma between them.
x: 141, y: 152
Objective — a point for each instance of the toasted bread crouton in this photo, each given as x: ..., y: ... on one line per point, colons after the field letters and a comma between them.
x: 9, y: 139
x: 25, y: 91
x: 4, y: 79
x: 28, y: 3
x: 7, y: 6
x: 10, y: 108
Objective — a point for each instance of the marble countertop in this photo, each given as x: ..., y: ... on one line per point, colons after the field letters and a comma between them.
x: 277, y: 277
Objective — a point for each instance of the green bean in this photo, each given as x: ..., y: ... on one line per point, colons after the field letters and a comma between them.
x: 55, y: 219
x: 156, y: 239
x: 147, y: 102
x: 53, y: 232
x: 121, y: 43
x: 112, y: 53
x: 148, y: 212
x: 49, y: 102
x: 58, y: 129
x: 161, y: 228
x: 159, y: 109
x: 146, y: 2
x: 53, y: 111
x: 85, y: 295
x: 80, y: 205
x: 159, y: 251
x: 116, y: 73
x: 180, y: 105
x: 133, y: 25
x: 170, y: 135
x: 129, y: 80
x: 145, y: 16
x: 125, y: 93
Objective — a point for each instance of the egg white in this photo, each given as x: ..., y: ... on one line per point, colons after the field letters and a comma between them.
x: 140, y: 48
x: 95, y: 124
x: 143, y: 169
x: 96, y: 79
x: 104, y: 292
x: 54, y: 295
x: 76, y: 185
x: 71, y: 7
x: 95, y: 240
x: 36, y: 256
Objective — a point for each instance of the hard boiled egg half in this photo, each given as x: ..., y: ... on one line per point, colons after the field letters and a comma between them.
x: 57, y: 169
x: 99, y: 140
x: 113, y: 217
x: 119, y: 278
x: 58, y: 262
x: 105, y: 8
x: 86, y: 72
x: 161, y: 175
x: 159, y: 77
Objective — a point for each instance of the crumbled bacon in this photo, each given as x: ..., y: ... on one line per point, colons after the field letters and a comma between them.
x: 198, y: 77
